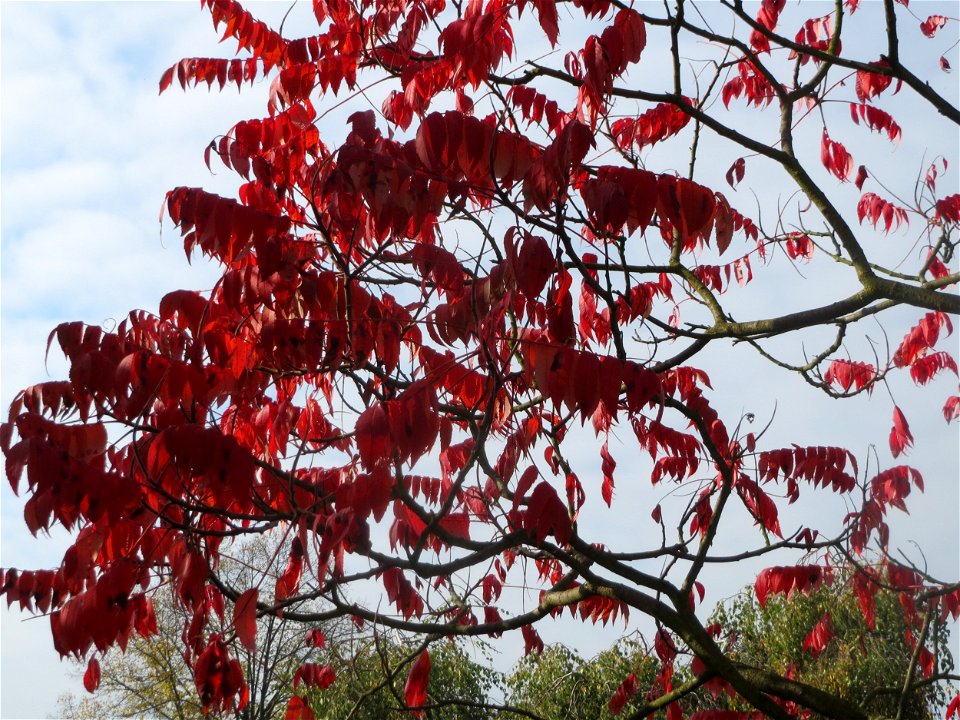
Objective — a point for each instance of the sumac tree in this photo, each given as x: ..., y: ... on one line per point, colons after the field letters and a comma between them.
x: 505, y: 248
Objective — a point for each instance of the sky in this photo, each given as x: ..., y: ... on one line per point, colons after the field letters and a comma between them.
x: 87, y: 151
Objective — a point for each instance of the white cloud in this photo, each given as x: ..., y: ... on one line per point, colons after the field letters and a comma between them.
x: 93, y: 263
x: 88, y: 152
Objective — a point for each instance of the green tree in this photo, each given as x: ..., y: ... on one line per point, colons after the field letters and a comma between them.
x: 371, y: 672
x: 865, y: 664
x: 559, y: 684
x: 863, y: 661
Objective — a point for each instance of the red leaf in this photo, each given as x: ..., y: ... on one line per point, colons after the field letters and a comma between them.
x: 166, y: 78
x: 633, y: 34
x: 951, y: 408
x: 892, y: 486
x: 875, y: 209
x: 547, y: 515
x: 222, y: 227
x: 736, y: 172
x: 800, y: 246
x: 835, y: 157
x: 924, y: 369
x: 531, y: 640
x: 861, y: 177
x: 688, y: 207
x: 949, y: 208
x: 818, y: 638
x: 847, y: 374
x: 526, y: 481
x: 316, y: 638
x: 900, y: 437
x: 607, y: 467
x: 245, y: 619
x: 933, y: 23
x: 298, y: 709
x: 547, y: 10
x: 533, y: 265
x: 927, y: 662
x: 921, y: 338
x: 288, y: 584
x: 869, y: 84
x: 761, y: 505
x: 219, y: 678
x: 619, y: 196
x: 623, y: 695
x: 91, y: 678
x: 314, y: 676
x: 402, y: 593
x: 954, y: 707
x: 876, y: 119
x: 415, y: 689
x: 787, y: 580
x: 655, y: 125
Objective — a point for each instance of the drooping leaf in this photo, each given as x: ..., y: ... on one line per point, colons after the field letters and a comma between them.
x: 91, y: 678
x: 245, y: 618
x: 313, y: 675
x: 787, y: 580
x: 623, y: 695
x: 875, y: 209
x: 871, y: 84
x: 298, y: 709
x: 415, y: 688
x: 835, y: 157
x: 822, y: 633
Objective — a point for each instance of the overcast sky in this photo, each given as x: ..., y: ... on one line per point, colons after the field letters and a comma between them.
x: 88, y: 151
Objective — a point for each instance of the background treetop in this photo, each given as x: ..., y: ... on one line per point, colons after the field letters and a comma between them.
x: 421, y: 309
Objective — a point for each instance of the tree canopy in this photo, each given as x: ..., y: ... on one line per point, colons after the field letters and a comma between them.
x: 478, y: 263
x: 830, y: 640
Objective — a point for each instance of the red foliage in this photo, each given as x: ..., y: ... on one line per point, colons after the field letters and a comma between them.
x: 91, y: 678
x: 787, y: 580
x: 954, y: 707
x: 818, y: 638
x: 933, y: 23
x: 219, y: 679
x: 623, y: 695
x: 850, y: 374
x: 900, y: 437
x: 423, y: 312
x: 875, y: 209
x: 298, y: 709
x: 835, y: 157
x: 245, y: 618
x: 415, y: 689
x: 313, y: 675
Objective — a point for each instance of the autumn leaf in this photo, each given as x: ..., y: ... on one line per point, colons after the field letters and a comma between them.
x: 900, y: 437
x: 623, y: 694
x: 91, y: 678
x: 415, y: 688
x: 298, y: 709
x: 821, y: 634
x: 245, y: 618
